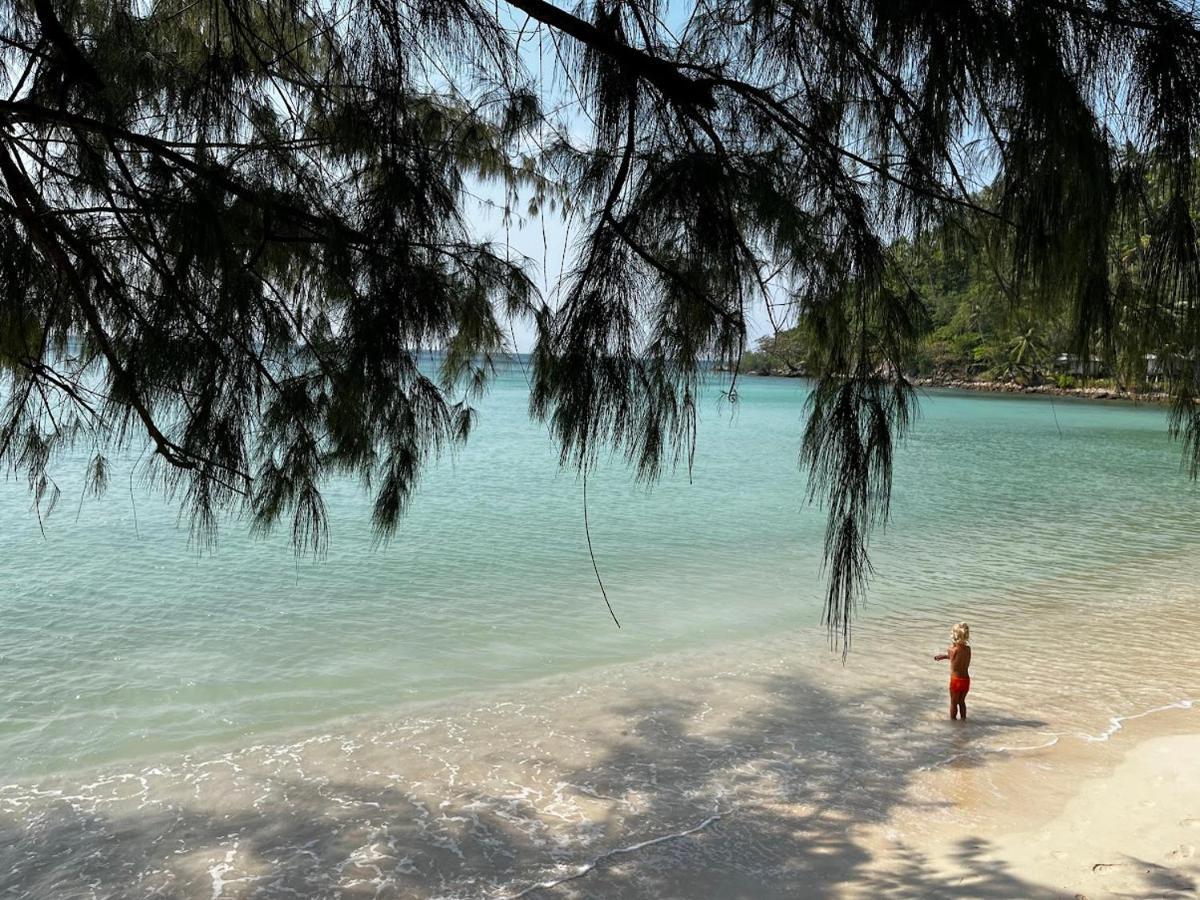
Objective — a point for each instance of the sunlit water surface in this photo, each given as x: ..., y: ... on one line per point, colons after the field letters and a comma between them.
x: 503, y: 727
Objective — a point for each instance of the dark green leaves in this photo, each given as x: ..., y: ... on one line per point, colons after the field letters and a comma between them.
x: 234, y: 228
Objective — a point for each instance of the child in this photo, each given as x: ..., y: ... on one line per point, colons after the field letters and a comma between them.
x: 959, y: 654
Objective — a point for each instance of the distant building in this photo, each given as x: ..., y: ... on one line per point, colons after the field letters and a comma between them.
x: 1073, y: 364
x: 1170, y: 364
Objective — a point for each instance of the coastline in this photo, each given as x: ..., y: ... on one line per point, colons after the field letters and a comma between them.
x: 726, y: 765
x: 739, y: 773
x: 1049, y: 390
x: 950, y: 383
x: 1117, y: 820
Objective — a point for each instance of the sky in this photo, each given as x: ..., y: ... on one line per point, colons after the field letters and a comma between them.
x: 549, y: 241
x: 548, y: 244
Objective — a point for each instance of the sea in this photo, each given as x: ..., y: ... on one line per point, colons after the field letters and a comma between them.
x: 454, y: 713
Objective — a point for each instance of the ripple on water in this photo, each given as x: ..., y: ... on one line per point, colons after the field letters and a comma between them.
x: 1069, y: 554
x: 492, y: 797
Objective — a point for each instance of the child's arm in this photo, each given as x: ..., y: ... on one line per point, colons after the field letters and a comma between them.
x: 949, y: 654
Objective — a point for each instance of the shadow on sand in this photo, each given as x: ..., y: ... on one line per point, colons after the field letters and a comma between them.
x: 793, y: 775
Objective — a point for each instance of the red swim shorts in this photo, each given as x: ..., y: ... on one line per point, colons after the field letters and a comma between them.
x: 959, y: 684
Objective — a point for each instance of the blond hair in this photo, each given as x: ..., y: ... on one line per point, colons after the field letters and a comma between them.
x: 960, y: 633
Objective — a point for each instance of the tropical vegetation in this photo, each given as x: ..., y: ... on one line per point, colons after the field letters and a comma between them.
x: 982, y: 329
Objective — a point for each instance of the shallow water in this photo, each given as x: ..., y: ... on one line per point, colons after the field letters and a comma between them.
x: 506, y: 732
x: 745, y: 772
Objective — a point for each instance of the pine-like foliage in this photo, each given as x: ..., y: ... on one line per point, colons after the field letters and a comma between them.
x: 229, y: 226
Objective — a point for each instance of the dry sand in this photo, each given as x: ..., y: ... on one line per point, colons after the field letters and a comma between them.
x: 1130, y: 831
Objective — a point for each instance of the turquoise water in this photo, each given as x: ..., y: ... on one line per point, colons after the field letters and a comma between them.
x: 119, y: 641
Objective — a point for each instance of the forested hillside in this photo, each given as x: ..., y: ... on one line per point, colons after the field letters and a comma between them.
x: 979, y: 328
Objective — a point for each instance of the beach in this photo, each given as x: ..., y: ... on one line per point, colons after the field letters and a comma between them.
x: 454, y: 715
x: 1132, y: 833
x: 576, y: 451
x: 745, y: 777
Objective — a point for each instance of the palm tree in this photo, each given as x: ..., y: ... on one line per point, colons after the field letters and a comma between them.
x: 1026, y: 354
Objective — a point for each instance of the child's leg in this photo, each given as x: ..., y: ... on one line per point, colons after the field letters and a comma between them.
x: 955, y: 700
x: 962, y: 705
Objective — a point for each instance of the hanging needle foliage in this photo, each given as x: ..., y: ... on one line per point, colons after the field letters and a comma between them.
x: 228, y: 228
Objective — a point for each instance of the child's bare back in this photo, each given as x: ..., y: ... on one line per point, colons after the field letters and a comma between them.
x: 960, y: 659
x: 959, y: 654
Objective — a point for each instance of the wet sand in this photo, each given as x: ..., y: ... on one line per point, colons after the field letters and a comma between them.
x: 739, y: 775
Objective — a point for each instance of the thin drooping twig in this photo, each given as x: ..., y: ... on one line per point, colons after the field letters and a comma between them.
x: 588, y: 533
x: 1055, y: 412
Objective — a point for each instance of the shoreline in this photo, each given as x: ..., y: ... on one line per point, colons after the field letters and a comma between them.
x: 1009, y: 387
x: 710, y: 777
x: 1046, y: 390
x: 1107, y: 822
x: 815, y: 657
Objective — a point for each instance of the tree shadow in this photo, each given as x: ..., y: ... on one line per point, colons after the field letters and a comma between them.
x: 794, y: 781
x: 1165, y: 881
x: 743, y: 788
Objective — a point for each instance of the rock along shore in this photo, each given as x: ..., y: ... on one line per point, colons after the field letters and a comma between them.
x: 1053, y: 390
x: 1010, y: 387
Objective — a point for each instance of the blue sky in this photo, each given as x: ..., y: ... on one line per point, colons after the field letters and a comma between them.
x: 548, y: 241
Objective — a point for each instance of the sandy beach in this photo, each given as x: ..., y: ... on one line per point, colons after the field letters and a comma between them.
x: 1133, y: 833
x: 1119, y: 822
x: 738, y: 775
x: 1118, y: 819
